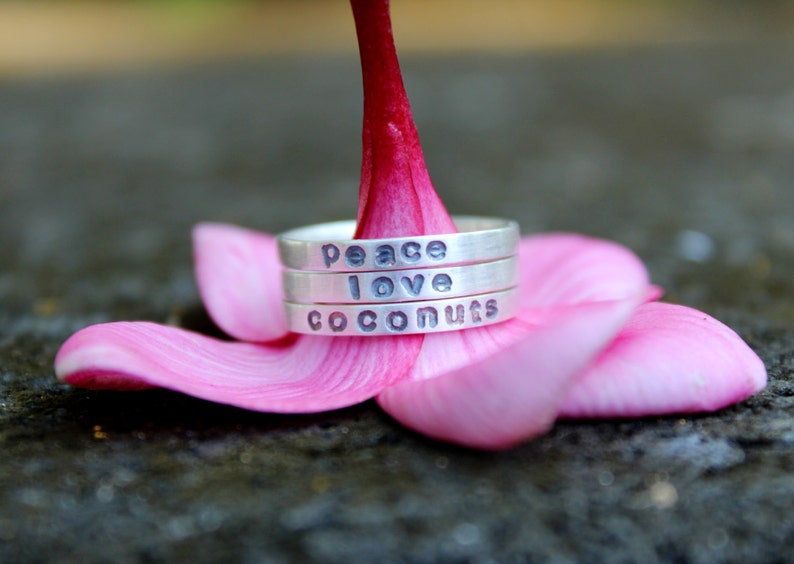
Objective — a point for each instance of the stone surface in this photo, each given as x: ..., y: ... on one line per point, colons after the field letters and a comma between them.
x: 682, y: 153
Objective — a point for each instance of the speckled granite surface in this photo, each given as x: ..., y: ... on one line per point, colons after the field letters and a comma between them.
x: 682, y: 153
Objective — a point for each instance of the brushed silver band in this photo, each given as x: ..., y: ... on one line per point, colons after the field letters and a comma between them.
x: 430, y: 316
x: 393, y: 286
x: 329, y: 247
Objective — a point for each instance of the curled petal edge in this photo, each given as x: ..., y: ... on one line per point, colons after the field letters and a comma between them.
x: 568, y: 268
x: 667, y: 359
x: 512, y: 395
x: 238, y: 273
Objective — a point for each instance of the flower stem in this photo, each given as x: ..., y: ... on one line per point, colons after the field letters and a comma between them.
x: 396, y: 196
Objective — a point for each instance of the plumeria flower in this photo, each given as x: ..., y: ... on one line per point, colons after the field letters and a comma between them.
x: 589, y: 341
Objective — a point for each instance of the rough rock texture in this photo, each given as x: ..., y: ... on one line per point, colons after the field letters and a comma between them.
x: 682, y: 153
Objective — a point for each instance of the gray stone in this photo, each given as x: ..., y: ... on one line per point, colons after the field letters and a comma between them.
x: 682, y: 153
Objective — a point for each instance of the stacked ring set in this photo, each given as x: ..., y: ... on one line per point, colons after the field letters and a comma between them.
x: 336, y: 285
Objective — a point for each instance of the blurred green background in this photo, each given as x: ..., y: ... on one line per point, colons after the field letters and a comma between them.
x: 49, y: 36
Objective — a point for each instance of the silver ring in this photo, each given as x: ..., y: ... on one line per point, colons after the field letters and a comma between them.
x: 432, y: 316
x: 400, y: 285
x: 329, y: 247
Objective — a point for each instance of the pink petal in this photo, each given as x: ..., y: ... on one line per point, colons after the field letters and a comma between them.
x: 496, y: 386
x: 565, y: 269
x: 557, y: 271
x: 300, y: 374
x: 239, y: 278
x: 668, y: 359
x: 510, y: 395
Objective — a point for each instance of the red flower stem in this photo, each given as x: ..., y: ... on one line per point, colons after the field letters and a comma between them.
x: 396, y: 197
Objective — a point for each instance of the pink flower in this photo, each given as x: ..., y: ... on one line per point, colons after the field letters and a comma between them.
x: 588, y: 341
